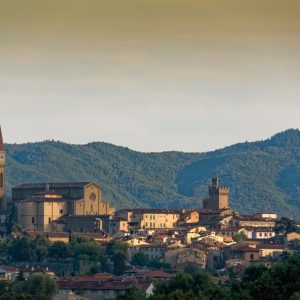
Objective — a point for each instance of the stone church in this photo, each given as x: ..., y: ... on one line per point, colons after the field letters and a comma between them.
x: 42, y: 206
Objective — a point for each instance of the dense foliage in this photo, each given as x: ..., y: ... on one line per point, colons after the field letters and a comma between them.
x: 262, y: 175
x: 280, y: 282
x: 36, y: 287
x: 84, y: 254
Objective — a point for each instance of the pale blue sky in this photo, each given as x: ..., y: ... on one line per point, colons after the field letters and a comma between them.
x: 160, y: 75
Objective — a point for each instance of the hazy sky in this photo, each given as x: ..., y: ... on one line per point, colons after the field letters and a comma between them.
x: 149, y: 74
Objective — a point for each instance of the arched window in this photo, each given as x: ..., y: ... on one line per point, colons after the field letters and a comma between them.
x: 1, y: 180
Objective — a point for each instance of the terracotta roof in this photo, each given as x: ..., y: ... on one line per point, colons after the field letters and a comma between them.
x: 212, y: 211
x: 102, y: 285
x: 96, y: 277
x: 1, y: 141
x: 42, y: 197
x: 9, y: 268
x: 280, y: 247
x: 157, y: 274
x: 243, y: 248
x: 150, y: 210
x: 53, y: 185
x: 251, y: 218
x: 149, y: 246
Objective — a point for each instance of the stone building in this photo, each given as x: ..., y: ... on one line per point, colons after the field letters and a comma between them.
x: 39, y: 211
x: 218, y: 196
x: 41, y: 206
x: 2, y: 173
x: 150, y: 218
x: 83, y: 198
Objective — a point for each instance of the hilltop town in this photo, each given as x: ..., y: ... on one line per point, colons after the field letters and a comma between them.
x: 67, y: 231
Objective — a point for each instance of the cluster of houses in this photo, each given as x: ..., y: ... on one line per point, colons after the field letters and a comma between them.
x: 214, y: 237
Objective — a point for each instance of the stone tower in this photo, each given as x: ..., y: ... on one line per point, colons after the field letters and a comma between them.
x: 2, y: 172
x: 218, y: 196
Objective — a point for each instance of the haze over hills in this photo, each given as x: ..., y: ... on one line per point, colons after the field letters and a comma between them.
x: 263, y: 175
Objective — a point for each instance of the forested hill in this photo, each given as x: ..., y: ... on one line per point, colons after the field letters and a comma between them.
x: 262, y: 175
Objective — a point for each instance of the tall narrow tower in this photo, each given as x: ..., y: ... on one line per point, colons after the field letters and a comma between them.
x: 218, y: 196
x: 2, y: 172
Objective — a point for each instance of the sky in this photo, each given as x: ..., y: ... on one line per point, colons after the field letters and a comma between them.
x: 151, y: 75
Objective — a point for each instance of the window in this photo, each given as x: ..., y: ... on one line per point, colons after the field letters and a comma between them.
x: 153, y: 217
x: 32, y: 220
x: 49, y: 220
x: 61, y: 211
x: 251, y: 256
x: 1, y: 180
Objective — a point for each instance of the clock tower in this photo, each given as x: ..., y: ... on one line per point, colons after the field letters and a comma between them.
x: 2, y: 173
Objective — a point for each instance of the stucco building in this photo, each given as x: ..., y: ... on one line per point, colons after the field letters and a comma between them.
x: 149, y: 218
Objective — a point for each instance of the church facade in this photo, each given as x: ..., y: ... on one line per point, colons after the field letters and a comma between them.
x: 41, y: 206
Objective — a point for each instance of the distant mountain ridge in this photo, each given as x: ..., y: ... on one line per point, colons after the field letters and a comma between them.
x: 263, y: 175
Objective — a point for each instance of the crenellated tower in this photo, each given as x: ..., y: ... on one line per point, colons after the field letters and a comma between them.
x: 2, y: 172
x: 218, y: 196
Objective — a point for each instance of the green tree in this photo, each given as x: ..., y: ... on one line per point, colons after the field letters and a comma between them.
x: 4, y: 250
x: 117, y: 246
x: 40, y: 244
x: 21, y: 249
x: 140, y: 259
x: 133, y: 293
x: 21, y: 276
x: 38, y: 286
x: 59, y: 250
x: 119, y: 261
x: 12, y: 221
x: 286, y: 225
x: 239, y: 237
x: 90, y: 251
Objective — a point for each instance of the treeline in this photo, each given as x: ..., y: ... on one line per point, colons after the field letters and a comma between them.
x: 86, y: 255
x: 36, y: 287
x: 279, y: 282
x: 262, y: 175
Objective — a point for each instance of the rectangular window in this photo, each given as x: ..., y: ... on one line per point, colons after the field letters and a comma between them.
x: 32, y: 220
x: 49, y: 220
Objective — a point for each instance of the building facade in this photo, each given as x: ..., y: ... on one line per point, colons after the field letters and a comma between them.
x: 41, y: 206
x: 150, y: 218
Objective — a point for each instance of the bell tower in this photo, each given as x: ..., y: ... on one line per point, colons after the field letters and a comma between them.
x: 2, y: 172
